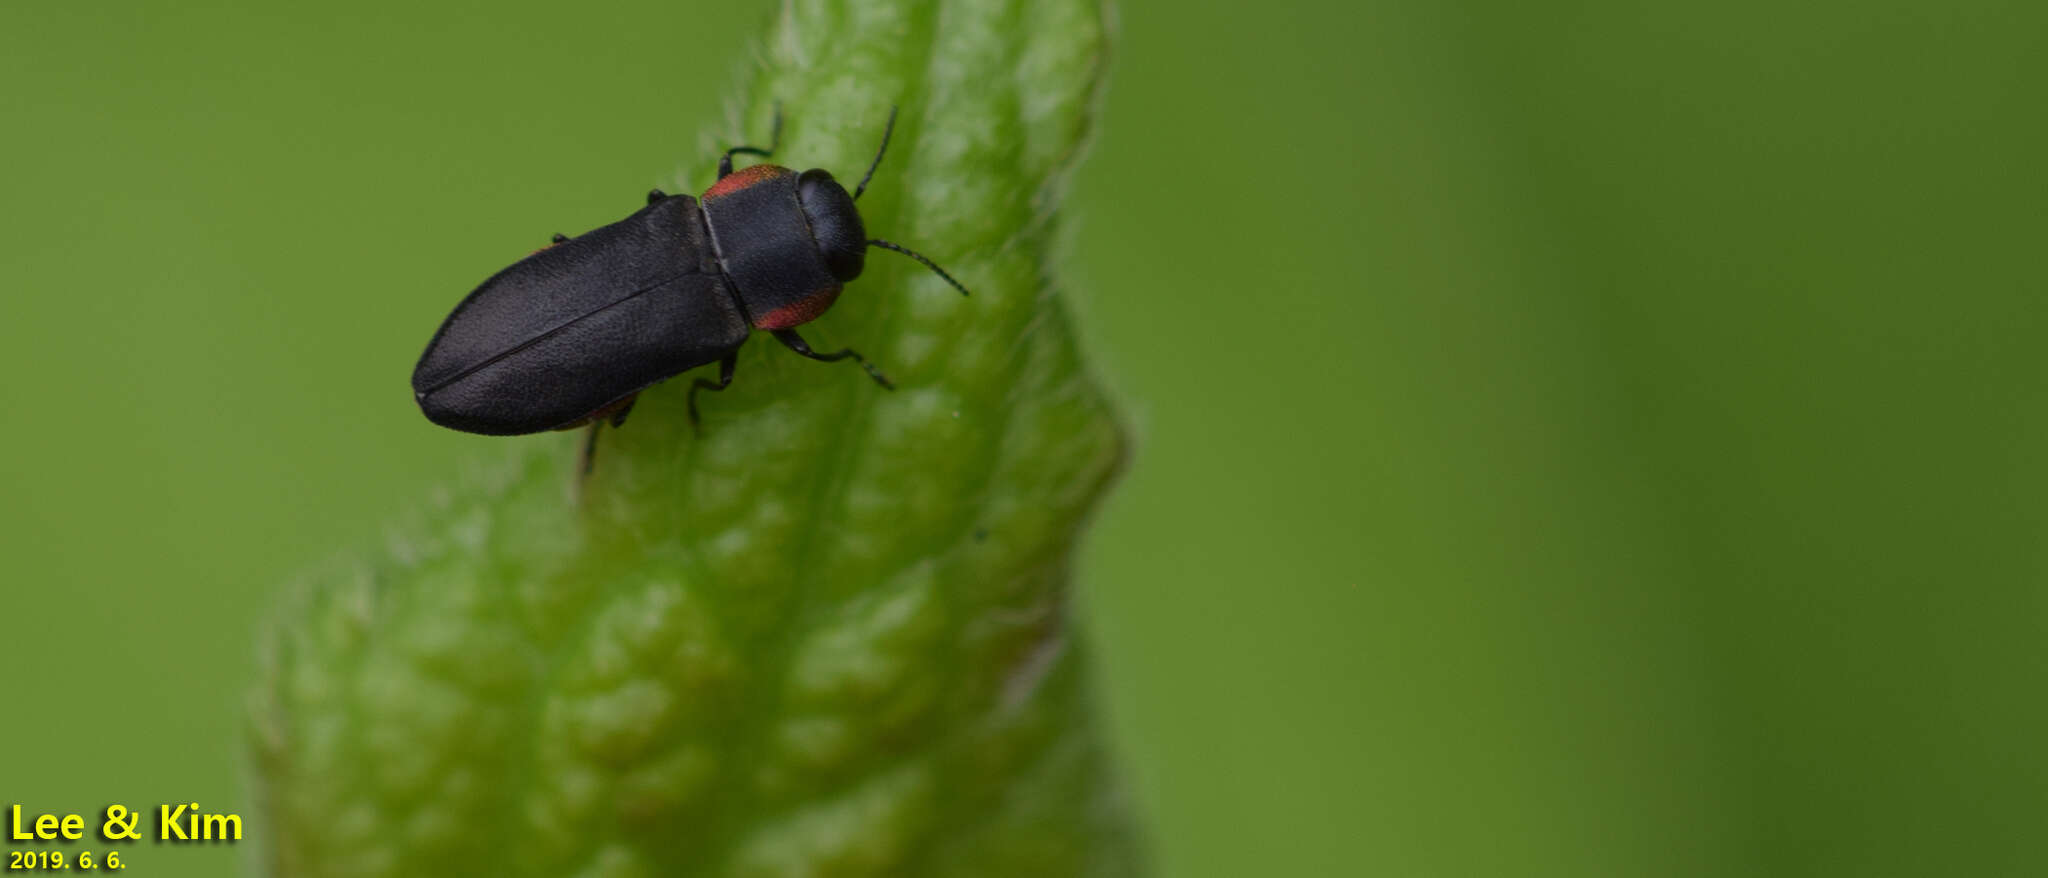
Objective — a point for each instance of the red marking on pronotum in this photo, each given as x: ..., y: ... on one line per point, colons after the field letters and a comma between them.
x: 743, y: 178
x: 799, y: 312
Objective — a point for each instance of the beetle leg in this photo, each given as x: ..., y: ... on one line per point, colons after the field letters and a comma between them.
x: 796, y: 343
x: 619, y: 416
x: 590, y: 448
x: 654, y: 195
x: 774, y: 140
x: 616, y: 414
x: 724, y: 381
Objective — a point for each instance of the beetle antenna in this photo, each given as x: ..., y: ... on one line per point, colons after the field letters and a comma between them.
x: 886, y: 131
x: 877, y: 242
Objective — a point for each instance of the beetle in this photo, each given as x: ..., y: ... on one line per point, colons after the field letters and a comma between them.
x: 573, y: 333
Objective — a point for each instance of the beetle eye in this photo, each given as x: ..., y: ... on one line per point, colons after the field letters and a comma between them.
x: 835, y: 223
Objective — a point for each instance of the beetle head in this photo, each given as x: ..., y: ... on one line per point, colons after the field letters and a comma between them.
x: 835, y: 223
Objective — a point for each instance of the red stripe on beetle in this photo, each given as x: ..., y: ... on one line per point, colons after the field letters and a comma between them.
x: 801, y: 311
x: 743, y: 178
x: 606, y: 412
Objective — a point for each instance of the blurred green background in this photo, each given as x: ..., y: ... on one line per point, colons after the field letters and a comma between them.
x: 1573, y: 439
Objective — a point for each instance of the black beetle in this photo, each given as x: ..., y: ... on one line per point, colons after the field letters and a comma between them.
x: 572, y: 333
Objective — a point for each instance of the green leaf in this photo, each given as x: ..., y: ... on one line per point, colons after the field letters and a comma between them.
x: 826, y: 637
